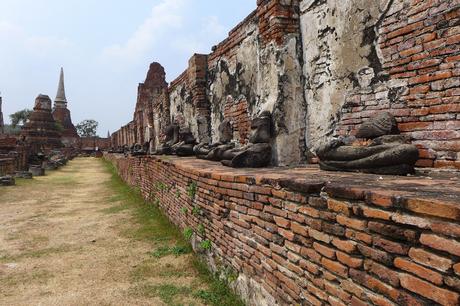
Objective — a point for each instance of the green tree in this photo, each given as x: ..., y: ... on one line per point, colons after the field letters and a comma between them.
x: 20, y: 117
x: 87, y: 128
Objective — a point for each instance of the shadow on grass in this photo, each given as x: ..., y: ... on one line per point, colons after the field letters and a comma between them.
x: 154, y: 226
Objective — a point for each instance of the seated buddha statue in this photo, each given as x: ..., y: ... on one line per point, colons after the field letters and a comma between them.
x: 258, y: 152
x: 171, y: 137
x: 381, y: 150
x: 186, y: 143
x: 215, y: 150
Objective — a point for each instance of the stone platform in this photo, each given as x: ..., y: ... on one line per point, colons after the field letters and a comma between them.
x: 305, y: 236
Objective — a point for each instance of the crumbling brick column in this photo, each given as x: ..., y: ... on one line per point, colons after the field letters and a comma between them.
x: 277, y: 18
x: 197, y: 71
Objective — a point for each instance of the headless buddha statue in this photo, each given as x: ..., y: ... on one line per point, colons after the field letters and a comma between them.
x: 258, y: 152
x: 138, y: 150
x: 171, y: 137
x: 214, y: 151
x: 382, y: 152
x: 186, y: 143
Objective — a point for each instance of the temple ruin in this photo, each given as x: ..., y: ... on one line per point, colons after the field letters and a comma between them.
x: 370, y: 86
x: 311, y: 158
x: 61, y: 115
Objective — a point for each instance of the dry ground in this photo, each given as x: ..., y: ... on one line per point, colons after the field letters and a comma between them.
x: 71, y: 238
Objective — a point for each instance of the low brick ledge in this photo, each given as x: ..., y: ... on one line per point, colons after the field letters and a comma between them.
x: 297, y: 235
x: 434, y: 197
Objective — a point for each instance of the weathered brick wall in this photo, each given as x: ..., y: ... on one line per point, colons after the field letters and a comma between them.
x: 258, y: 63
x: 7, y: 166
x: 237, y: 112
x: 90, y: 143
x: 420, y: 52
x: 189, y: 105
x: 302, y: 236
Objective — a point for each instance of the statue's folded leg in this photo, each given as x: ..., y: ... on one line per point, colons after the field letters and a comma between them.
x: 398, y: 159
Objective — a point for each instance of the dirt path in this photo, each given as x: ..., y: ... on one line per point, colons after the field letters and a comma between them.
x: 68, y: 239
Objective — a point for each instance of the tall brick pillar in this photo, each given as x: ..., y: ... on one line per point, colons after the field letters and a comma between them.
x: 197, y: 72
x: 277, y: 18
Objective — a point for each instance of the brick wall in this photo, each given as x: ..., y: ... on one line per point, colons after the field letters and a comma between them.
x: 420, y: 53
x: 277, y: 19
x: 310, y: 237
x: 7, y: 166
x: 237, y: 112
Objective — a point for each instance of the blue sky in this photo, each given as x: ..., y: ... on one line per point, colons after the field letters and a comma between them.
x: 105, y: 47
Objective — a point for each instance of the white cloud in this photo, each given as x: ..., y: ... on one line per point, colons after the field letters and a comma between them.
x: 164, y: 16
x: 201, y: 42
x: 18, y: 41
x: 212, y: 25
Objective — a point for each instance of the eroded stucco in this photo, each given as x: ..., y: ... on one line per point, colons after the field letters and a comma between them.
x: 338, y: 41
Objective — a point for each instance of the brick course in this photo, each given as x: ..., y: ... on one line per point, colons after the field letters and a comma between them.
x: 350, y: 241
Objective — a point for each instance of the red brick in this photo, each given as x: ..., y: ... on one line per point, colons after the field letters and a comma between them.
x: 393, y: 231
x: 376, y: 255
x: 344, y: 245
x: 430, y: 291
x: 380, y: 198
x: 335, y: 301
x: 374, y: 284
x: 430, y: 77
x: 434, y: 207
x: 425, y: 163
x: 430, y: 260
x: 352, y: 223
x: 357, y: 302
x: 380, y: 271
x: 339, y: 206
x: 324, y: 250
x: 405, y: 30
x: 336, y: 291
x: 282, y: 222
x: 457, y: 268
x: 419, y: 89
x: 439, y: 243
x: 418, y: 270
x: 390, y: 246
x: 309, y: 211
x: 311, y: 254
x: 360, y: 236
x: 317, y: 235
x: 376, y: 213
x: 414, y: 126
x: 311, y: 299
x: 299, y: 229
x: 334, y: 267
x: 286, y: 234
x: 353, y: 262
x: 453, y: 39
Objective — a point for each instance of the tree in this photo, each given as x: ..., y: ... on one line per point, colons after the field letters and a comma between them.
x: 20, y: 117
x: 87, y: 128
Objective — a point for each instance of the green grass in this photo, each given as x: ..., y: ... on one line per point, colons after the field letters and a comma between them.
x: 168, y: 293
x: 176, y: 250
x: 154, y: 226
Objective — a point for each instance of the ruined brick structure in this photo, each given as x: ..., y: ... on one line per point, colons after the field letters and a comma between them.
x: 322, y: 74
x: 301, y: 235
x: 41, y: 132
x: 61, y: 115
x: 91, y: 144
x: 304, y: 236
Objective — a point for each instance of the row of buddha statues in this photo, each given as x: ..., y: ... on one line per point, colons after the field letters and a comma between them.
x: 376, y: 148
x: 257, y: 153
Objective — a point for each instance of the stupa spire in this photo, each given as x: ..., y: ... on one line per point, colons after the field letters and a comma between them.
x: 60, y: 96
